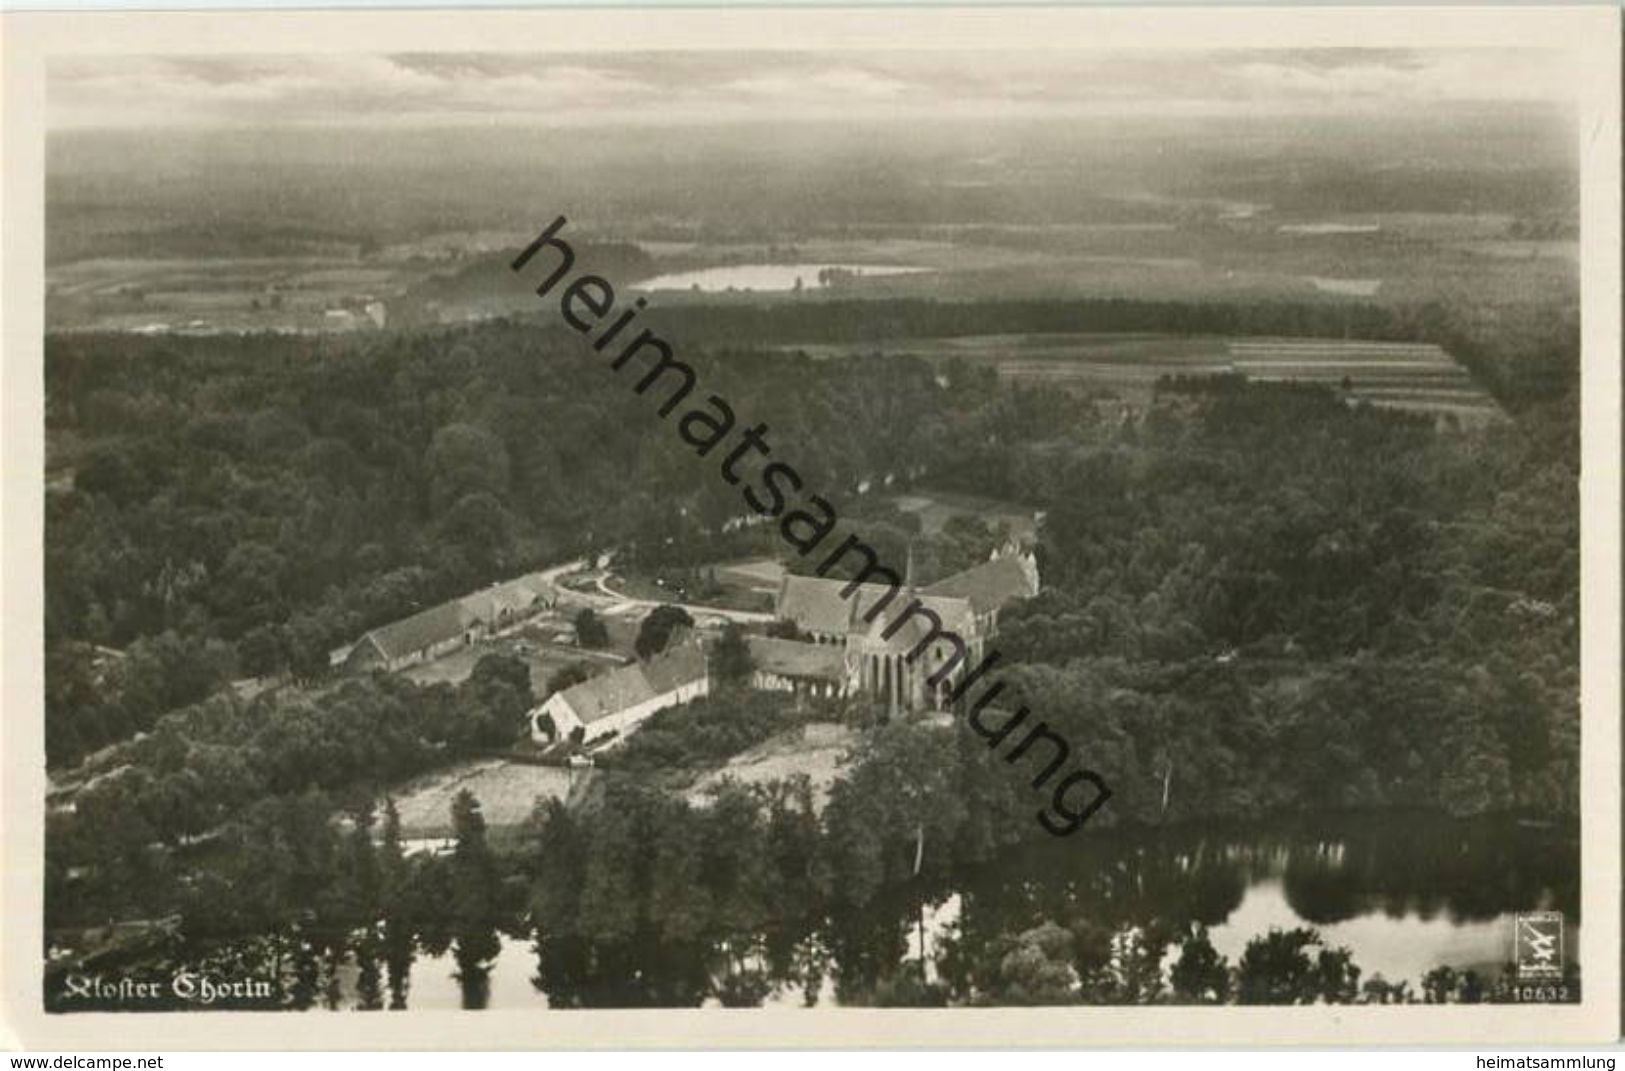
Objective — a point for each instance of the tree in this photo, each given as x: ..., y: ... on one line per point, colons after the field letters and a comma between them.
x: 476, y: 536
x: 730, y: 660
x: 1477, y: 778
x: 1378, y: 990
x: 567, y: 675
x: 305, y: 642
x: 498, y: 697
x: 590, y: 631
x: 464, y: 460
x: 251, y: 585
x: 1200, y: 975
x: 1277, y: 969
x: 784, y: 629
x: 1439, y: 985
x: 260, y: 652
x: 474, y: 889
x: 168, y: 671
x: 1037, y: 968
x: 351, y: 905
x: 70, y: 694
x: 655, y: 633
x: 1339, y: 977
x: 394, y: 895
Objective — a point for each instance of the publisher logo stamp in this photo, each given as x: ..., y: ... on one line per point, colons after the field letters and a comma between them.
x: 1538, y: 944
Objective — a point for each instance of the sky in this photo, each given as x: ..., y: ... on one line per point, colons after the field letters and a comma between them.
x: 460, y: 89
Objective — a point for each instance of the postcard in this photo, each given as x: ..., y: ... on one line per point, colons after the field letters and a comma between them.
x: 808, y: 527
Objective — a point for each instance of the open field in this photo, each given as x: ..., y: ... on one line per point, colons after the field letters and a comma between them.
x: 1125, y: 365
x: 1416, y: 376
x: 1209, y: 253
x: 818, y: 751
x: 216, y: 294
x: 1394, y: 374
x: 507, y: 792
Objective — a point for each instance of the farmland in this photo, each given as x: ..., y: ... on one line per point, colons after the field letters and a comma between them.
x: 987, y: 212
x: 1206, y: 256
x: 210, y: 295
x: 1414, y: 376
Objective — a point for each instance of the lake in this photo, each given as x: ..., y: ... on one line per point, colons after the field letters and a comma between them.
x: 1329, y: 228
x: 772, y: 277
x: 1403, y: 894
x: 1347, y: 287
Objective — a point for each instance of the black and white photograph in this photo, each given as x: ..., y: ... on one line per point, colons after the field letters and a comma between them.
x: 804, y: 523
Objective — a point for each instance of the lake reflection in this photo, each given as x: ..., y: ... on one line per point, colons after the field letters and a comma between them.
x: 1401, y: 948
x: 1442, y: 894
x: 436, y: 985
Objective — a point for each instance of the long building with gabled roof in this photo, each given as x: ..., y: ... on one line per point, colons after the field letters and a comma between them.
x: 435, y: 631
x: 611, y: 705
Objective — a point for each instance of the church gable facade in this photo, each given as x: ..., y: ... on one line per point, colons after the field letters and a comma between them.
x: 901, y: 646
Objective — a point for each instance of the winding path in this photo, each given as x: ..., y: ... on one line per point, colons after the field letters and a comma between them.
x: 619, y: 600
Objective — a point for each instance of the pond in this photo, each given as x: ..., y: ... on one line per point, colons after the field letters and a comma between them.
x: 773, y: 277
x: 1403, y: 894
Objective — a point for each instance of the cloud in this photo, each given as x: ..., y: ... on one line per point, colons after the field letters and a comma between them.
x: 688, y: 87
x: 1485, y: 76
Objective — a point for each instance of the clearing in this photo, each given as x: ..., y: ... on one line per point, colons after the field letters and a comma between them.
x: 819, y: 750
x: 507, y: 791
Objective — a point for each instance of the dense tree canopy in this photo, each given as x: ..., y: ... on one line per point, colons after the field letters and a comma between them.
x: 659, y: 628
x: 1257, y: 600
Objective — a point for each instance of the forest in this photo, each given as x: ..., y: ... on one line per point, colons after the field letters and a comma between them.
x: 1259, y: 600
x: 648, y: 901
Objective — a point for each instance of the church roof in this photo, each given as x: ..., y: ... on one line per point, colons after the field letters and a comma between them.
x: 817, y: 605
x: 913, y: 628
x: 992, y: 584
